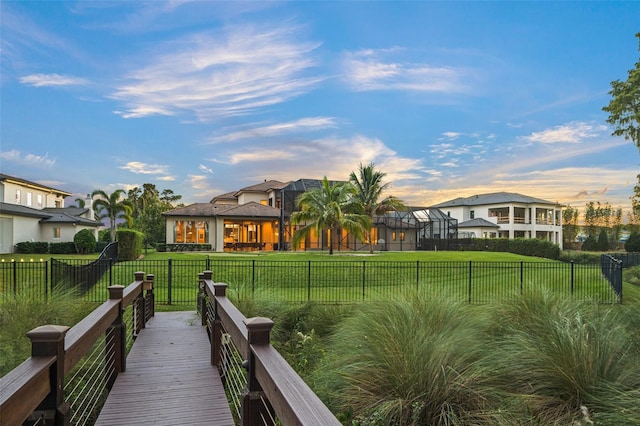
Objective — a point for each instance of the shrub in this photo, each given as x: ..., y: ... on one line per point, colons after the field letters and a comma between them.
x: 603, y: 241
x: 85, y: 241
x: 62, y: 248
x: 633, y: 243
x: 100, y: 246
x: 129, y: 244
x: 590, y: 244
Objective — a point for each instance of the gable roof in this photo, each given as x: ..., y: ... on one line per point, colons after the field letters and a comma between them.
x: 263, y: 187
x: 227, y: 196
x: 34, y: 185
x: 477, y: 223
x: 251, y: 209
x: 494, y: 198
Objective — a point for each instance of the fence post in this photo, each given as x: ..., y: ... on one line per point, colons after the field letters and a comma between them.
x: 200, y: 307
x: 253, y: 276
x: 470, y: 279
x: 364, y: 279
x: 309, y: 281
x: 521, y: 277
x: 116, y: 338
x: 417, y: 275
x: 572, y: 276
x: 48, y: 340
x: 258, y: 333
x: 150, y: 298
x: 169, y: 273
x: 48, y: 288
x: 15, y: 277
x: 219, y: 290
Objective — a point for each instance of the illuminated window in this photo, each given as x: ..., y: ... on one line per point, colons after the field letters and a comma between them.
x: 393, y: 236
x: 191, y: 231
x: 402, y: 236
x: 56, y: 233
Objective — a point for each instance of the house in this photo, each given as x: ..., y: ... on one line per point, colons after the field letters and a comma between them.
x: 506, y: 215
x: 258, y: 218
x: 30, y: 211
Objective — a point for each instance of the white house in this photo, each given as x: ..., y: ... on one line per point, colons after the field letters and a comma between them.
x: 30, y: 211
x: 506, y: 215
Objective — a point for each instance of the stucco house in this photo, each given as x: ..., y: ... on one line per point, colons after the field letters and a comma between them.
x: 30, y: 211
x: 258, y: 218
x: 506, y: 215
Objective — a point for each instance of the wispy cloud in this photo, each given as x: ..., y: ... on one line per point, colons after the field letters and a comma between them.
x: 376, y: 70
x: 145, y: 168
x: 205, y: 169
x: 308, y: 124
x: 43, y: 80
x: 573, y: 132
x: 27, y: 159
x: 234, y: 72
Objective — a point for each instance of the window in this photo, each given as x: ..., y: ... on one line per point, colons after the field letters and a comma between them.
x: 393, y: 236
x: 18, y: 196
x: 472, y: 214
x: 56, y: 233
x: 190, y: 232
x: 402, y: 236
x: 39, y: 200
x: 28, y: 198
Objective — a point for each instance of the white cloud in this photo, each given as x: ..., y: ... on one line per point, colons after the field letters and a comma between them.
x: 308, y: 124
x: 573, y: 132
x: 145, y: 168
x: 374, y: 70
x: 235, y: 72
x: 205, y: 169
x: 47, y: 80
x: 27, y: 159
x: 451, y: 135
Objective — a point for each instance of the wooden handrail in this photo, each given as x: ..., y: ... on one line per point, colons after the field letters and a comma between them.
x: 25, y: 388
x: 290, y: 397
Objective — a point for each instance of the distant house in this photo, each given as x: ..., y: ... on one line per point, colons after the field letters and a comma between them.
x: 258, y: 218
x: 30, y: 211
x: 506, y: 215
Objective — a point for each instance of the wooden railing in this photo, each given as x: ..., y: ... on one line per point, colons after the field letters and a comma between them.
x: 272, y: 388
x: 34, y: 391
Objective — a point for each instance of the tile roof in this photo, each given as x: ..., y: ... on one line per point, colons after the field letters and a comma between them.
x: 251, y: 209
x: 49, y: 215
x: 264, y: 186
x: 28, y: 183
x: 494, y: 198
x: 477, y: 222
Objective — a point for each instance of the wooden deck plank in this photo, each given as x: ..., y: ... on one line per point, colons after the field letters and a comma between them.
x: 169, y: 379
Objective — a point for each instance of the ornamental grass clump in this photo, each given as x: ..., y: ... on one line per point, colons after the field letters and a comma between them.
x: 406, y: 361
x: 563, y: 362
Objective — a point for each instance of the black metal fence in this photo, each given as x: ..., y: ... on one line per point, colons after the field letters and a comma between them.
x: 327, y: 281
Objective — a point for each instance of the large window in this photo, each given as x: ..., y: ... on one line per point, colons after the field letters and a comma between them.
x: 56, y: 233
x: 190, y: 232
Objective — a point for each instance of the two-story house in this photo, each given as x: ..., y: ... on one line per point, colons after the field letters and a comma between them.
x: 506, y: 215
x: 30, y: 211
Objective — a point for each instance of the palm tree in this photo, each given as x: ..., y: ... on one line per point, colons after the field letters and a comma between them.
x: 369, y: 188
x: 80, y: 202
x: 328, y: 207
x: 112, y: 206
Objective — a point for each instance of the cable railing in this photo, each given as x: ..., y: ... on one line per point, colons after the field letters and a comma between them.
x: 70, y: 370
x: 269, y: 391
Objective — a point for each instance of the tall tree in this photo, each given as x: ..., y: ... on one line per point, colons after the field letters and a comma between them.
x: 369, y: 189
x: 148, y: 205
x: 329, y: 207
x: 113, y: 207
x: 624, y: 107
x: 569, y: 226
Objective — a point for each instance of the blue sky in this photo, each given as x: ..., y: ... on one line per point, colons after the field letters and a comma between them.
x: 448, y: 98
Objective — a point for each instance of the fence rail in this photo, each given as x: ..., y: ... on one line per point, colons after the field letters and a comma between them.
x: 327, y: 281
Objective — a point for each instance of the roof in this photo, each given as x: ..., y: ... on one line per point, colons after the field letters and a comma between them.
x: 226, y: 196
x: 303, y: 185
x: 34, y: 185
x: 49, y: 215
x: 494, y: 198
x: 477, y: 223
x: 263, y: 187
x: 251, y: 209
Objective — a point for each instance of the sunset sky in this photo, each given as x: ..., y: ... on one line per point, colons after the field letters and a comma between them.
x: 450, y: 99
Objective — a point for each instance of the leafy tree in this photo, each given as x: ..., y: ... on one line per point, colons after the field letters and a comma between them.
x: 603, y: 241
x: 624, y: 107
x: 369, y: 187
x: 570, y: 226
x: 113, y: 207
x: 80, y: 203
x: 632, y: 245
x: 148, y: 205
x: 634, y: 216
x: 85, y: 241
x: 329, y: 207
x: 590, y: 244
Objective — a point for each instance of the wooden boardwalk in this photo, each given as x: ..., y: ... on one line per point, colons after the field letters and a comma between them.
x: 169, y: 379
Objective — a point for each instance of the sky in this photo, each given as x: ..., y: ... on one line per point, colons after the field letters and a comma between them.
x: 449, y: 99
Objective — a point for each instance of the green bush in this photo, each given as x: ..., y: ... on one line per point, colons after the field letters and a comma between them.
x: 632, y: 245
x: 590, y: 244
x: 85, y: 241
x: 30, y: 247
x: 100, y: 246
x: 524, y: 246
x: 129, y: 244
x: 63, y: 248
x: 603, y: 241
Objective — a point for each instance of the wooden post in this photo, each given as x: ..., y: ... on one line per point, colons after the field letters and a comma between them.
x: 150, y: 297
x: 48, y: 340
x: 258, y: 333
x: 202, y: 300
x: 116, y: 343
x: 220, y: 290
